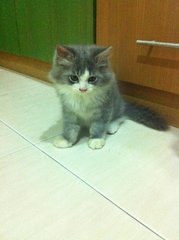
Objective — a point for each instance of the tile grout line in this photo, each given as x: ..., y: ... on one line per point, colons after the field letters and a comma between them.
x: 34, y: 79
x: 97, y: 191
x: 15, y: 151
x: 26, y: 139
x: 101, y: 194
x: 86, y: 183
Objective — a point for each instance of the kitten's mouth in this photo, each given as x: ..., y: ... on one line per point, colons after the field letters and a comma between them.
x: 83, y: 90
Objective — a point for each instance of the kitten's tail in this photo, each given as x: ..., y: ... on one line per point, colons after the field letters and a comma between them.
x: 145, y: 116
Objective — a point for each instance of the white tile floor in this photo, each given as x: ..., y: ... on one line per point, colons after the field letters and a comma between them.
x: 129, y: 190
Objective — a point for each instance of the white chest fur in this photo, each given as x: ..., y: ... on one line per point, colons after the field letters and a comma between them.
x: 82, y: 105
x: 86, y: 106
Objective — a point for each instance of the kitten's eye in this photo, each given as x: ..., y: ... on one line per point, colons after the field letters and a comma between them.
x: 73, y: 79
x: 92, y: 79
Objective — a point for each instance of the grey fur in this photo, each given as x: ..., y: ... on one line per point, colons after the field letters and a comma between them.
x: 94, y: 109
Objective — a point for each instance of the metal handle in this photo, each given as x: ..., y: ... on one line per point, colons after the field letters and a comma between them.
x: 158, y: 44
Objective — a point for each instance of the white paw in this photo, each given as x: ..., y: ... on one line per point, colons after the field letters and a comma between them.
x: 114, y: 126
x: 96, y: 143
x: 61, y: 143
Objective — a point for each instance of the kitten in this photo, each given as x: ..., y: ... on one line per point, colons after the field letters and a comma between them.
x: 89, y: 94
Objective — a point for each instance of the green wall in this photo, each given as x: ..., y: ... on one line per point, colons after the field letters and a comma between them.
x: 34, y: 27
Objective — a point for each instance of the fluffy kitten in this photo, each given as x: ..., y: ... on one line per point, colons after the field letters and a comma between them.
x: 90, y: 97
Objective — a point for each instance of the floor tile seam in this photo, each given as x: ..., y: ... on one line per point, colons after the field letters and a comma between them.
x: 14, y: 130
x: 15, y: 151
x: 101, y: 194
x: 26, y: 76
x: 18, y: 90
x: 82, y: 180
x: 28, y: 141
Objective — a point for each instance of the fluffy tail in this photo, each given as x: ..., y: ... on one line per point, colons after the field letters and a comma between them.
x: 145, y: 116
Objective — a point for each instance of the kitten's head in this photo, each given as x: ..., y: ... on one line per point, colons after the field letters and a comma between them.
x: 82, y: 68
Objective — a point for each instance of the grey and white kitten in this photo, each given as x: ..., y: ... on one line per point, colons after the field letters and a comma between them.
x: 90, y: 97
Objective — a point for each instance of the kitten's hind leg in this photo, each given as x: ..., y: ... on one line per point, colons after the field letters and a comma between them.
x: 114, y: 125
x: 96, y: 143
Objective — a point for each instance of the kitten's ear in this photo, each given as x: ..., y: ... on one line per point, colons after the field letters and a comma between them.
x: 103, y: 54
x: 64, y: 54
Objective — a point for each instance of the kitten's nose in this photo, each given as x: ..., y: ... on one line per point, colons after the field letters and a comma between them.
x: 83, y: 89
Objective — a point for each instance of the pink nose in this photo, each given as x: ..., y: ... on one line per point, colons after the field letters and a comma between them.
x: 83, y: 89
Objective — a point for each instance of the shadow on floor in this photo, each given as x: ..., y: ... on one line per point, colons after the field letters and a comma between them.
x: 54, y: 131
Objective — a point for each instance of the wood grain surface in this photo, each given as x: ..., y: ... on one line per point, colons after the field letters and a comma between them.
x: 121, y: 23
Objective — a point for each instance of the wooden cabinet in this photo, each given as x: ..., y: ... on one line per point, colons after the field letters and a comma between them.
x: 147, y: 73
x: 8, y: 27
x: 33, y: 28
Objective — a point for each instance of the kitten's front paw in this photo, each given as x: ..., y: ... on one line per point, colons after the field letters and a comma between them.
x: 96, y: 143
x: 61, y: 143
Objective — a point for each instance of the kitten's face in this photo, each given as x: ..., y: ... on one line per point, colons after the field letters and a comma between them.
x: 81, y: 69
x: 82, y: 82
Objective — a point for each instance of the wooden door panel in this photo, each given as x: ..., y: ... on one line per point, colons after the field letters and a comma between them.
x: 9, y: 39
x: 121, y: 22
x: 33, y: 28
